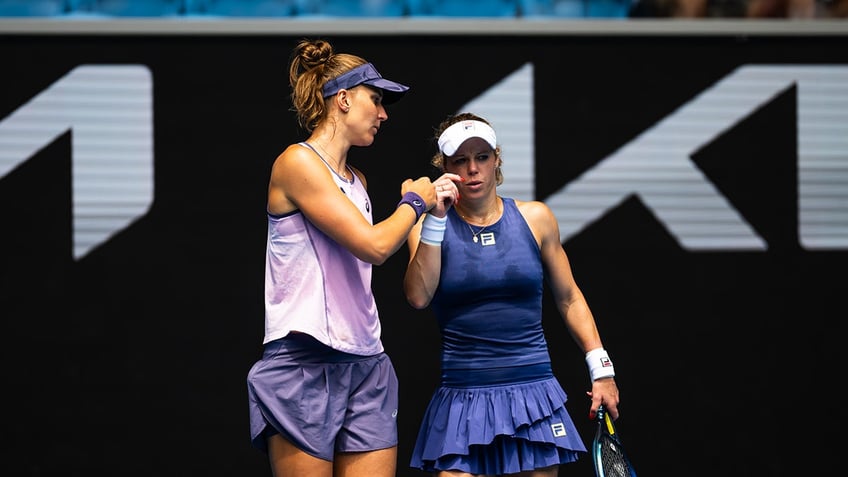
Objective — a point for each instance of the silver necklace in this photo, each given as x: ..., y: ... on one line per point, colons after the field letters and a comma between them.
x: 475, y: 234
x: 343, y: 172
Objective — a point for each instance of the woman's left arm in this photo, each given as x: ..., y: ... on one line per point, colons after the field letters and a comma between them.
x: 568, y: 297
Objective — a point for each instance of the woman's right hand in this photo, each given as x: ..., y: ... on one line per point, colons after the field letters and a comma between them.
x: 423, y: 187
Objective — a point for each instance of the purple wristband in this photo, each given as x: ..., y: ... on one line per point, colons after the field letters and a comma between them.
x: 416, y: 202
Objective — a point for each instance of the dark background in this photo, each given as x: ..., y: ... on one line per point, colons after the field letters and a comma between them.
x: 132, y: 361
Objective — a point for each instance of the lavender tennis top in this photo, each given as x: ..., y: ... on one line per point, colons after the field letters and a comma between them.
x: 316, y: 286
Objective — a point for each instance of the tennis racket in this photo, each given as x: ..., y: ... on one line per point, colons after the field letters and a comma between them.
x: 610, y: 459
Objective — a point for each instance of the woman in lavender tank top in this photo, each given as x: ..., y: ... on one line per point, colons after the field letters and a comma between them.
x: 323, y: 397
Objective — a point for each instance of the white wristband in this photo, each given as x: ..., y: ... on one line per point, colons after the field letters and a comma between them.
x: 433, y: 229
x: 600, y: 365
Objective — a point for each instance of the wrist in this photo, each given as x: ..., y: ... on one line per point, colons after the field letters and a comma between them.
x: 433, y: 229
x: 600, y: 364
x: 416, y: 202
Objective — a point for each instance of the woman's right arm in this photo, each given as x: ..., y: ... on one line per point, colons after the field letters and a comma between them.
x: 423, y: 270
x: 424, y: 241
x: 298, y: 181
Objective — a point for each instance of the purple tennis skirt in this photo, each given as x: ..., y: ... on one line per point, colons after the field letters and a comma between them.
x: 323, y: 401
x: 497, y: 429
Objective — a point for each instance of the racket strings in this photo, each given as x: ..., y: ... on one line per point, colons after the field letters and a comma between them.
x: 613, y: 461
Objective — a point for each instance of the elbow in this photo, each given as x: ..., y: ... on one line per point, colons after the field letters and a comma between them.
x: 417, y: 304
x: 379, y: 252
x: 379, y: 257
x: 374, y: 256
x: 417, y: 300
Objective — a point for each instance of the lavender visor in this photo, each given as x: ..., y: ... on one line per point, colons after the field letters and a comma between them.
x: 366, y: 74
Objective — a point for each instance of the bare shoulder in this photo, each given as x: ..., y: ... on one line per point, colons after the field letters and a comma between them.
x: 540, y: 219
x: 293, y: 155
x: 534, y: 211
x: 296, y: 163
x: 297, y: 175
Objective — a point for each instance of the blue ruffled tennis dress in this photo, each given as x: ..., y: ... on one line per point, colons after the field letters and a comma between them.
x: 498, y: 409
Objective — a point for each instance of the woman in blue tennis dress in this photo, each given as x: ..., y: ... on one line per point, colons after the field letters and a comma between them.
x: 481, y: 262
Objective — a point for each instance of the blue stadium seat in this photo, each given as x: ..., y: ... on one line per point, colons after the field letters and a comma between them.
x: 33, y: 8
x: 575, y: 8
x: 242, y: 8
x: 545, y: 8
x: 467, y: 8
x: 135, y: 8
x: 351, y: 8
x: 608, y: 8
x: 366, y: 8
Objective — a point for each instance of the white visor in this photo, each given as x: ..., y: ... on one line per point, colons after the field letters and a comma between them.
x: 458, y: 133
